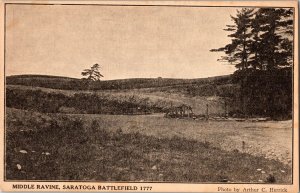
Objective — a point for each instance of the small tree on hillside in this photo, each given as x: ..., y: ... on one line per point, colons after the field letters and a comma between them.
x: 93, y: 73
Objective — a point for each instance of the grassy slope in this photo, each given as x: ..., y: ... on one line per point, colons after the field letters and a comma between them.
x: 132, y: 83
x: 159, y: 92
x: 72, y: 148
x: 162, y: 81
x: 153, y: 97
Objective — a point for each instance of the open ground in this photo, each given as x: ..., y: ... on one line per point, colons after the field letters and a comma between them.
x: 146, y: 148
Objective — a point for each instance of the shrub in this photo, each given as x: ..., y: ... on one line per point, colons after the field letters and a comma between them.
x: 271, y: 179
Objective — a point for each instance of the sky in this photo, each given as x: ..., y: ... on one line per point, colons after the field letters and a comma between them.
x: 126, y: 41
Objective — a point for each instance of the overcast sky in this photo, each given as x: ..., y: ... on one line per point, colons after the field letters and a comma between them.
x: 127, y: 41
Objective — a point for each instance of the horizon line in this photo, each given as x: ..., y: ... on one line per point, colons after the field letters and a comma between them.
x: 158, y: 77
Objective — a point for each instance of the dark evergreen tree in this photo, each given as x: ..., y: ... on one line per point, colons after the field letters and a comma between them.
x: 272, y: 46
x: 238, y: 51
x: 256, y: 46
x: 261, y: 48
x: 93, y: 73
x: 261, y: 39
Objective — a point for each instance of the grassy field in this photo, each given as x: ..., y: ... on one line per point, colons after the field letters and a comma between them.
x: 156, y: 93
x: 271, y: 139
x: 145, y: 148
x: 59, y: 131
x: 153, y: 98
x: 67, y: 83
x: 255, y: 96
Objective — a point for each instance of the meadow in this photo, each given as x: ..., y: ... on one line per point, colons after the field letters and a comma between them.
x: 108, y: 102
x: 143, y: 148
x: 117, y: 131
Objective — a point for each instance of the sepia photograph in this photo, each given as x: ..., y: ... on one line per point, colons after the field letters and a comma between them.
x: 149, y: 93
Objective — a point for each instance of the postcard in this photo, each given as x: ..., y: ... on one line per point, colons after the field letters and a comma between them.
x: 149, y: 96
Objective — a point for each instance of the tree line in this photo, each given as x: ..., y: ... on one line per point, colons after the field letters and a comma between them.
x: 261, y: 49
x: 260, y: 39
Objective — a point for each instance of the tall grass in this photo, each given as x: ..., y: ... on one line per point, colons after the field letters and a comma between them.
x: 69, y: 149
x: 91, y: 103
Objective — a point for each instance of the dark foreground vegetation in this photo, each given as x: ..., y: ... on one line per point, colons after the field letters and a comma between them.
x: 58, y: 147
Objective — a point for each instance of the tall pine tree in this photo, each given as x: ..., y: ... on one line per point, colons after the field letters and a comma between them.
x: 260, y: 39
x: 238, y: 51
x: 272, y: 45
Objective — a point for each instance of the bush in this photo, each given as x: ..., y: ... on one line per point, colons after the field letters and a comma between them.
x: 271, y: 179
x: 37, y: 100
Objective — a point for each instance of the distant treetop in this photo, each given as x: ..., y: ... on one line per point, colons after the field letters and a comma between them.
x: 93, y: 73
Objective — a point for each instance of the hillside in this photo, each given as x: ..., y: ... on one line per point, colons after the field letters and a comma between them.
x: 249, y: 93
x: 66, y: 83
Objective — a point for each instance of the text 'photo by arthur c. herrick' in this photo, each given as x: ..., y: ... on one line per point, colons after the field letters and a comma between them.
x: 112, y: 96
